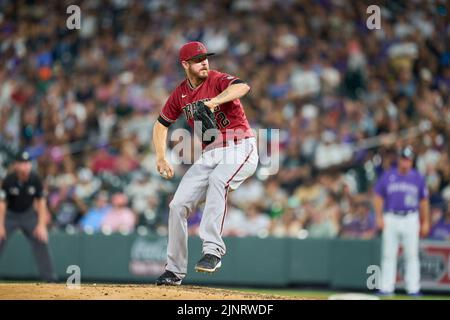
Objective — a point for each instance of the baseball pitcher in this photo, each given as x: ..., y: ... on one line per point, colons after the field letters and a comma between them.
x: 211, y: 99
x: 402, y: 211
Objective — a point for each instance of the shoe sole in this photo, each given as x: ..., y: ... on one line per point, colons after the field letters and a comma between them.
x: 169, y: 284
x: 205, y: 270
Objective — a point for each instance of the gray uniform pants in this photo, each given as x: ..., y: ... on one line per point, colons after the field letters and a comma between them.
x: 27, y: 222
x: 209, y: 179
x: 402, y: 230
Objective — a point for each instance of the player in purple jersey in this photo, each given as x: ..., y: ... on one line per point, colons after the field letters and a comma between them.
x: 402, y: 213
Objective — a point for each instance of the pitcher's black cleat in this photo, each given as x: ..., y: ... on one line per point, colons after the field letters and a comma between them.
x: 209, y: 263
x: 168, y: 278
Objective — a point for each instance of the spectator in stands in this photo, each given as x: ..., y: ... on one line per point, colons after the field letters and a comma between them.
x: 103, y: 161
x: 274, y: 200
x: 92, y: 221
x: 294, y: 168
x: 140, y: 189
x: 66, y: 206
x: 441, y: 229
x: 359, y: 223
x: 257, y: 222
x: 120, y: 218
x: 320, y: 223
x: 291, y: 222
x: 128, y: 159
x: 87, y: 185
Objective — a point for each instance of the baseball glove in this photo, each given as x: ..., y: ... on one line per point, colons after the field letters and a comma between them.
x: 202, y: 113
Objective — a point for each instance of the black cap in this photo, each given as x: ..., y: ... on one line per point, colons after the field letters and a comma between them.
x: 23, y: 156
x: 407, y: 152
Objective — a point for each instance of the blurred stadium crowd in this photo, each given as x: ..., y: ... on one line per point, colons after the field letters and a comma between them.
x: 83, y: 103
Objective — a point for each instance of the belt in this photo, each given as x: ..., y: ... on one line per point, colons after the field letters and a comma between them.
x: 226, y: 143
x: 402, y: 212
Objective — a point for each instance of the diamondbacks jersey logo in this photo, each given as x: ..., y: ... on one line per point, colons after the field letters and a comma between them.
x: 188, y: 109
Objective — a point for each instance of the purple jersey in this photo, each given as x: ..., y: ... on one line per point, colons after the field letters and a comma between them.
x: 401, y: 192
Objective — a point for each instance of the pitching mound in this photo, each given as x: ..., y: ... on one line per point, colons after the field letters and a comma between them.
x: 40, y: 291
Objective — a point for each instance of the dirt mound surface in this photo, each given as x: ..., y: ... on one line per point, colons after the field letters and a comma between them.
x: 41, y: 291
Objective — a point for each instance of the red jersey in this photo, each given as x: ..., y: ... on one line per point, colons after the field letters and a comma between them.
x: 229, y: 116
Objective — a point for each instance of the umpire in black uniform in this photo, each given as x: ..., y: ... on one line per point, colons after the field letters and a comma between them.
x: 20, y: 194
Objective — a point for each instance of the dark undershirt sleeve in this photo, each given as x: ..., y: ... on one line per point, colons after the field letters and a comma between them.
x: 237, y: 81
x: 164, y: 122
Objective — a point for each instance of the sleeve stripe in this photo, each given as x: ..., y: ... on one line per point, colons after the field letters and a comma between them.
x: 166, y: 118
x: 164, y: 122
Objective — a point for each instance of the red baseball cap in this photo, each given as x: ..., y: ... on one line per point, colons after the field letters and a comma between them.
x: 192, y: 50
